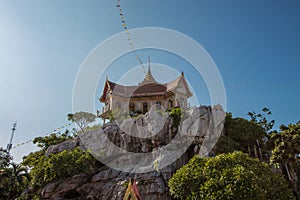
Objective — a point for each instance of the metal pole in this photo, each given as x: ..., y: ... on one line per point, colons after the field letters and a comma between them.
x: 9, y: 145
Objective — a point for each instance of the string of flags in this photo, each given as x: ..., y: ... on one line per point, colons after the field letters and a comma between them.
x: 130, y: 42
x: 47, y: 134
x: 132, y: 190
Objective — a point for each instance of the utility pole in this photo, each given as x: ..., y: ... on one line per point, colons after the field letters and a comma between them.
x: 4, y: 155
x: 9, y: 145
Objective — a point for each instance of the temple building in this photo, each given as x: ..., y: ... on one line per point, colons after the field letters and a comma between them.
x: 139, y: 98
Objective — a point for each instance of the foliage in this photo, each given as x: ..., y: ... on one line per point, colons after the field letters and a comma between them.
x: 226, y: 144
x: 286, y: 153
x: 13, y: 180
x: 82, y: 119
x: 58, y: 166
x: 13, y: 177
x: 44, y: 169
x: 228, y: 176
x: 176, y: 114
x: 287, y: 145
x: 240, y: 134
x: 52, y: 139
x: 261, y: 119
x: 5, y: 158
x: 92, y: 128
x: 118, y: 114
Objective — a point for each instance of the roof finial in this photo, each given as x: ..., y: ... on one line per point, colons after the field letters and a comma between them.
x: 148, y: 78
x: 149, y: 71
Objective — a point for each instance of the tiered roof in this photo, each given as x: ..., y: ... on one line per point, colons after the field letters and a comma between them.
x: 147, y: 88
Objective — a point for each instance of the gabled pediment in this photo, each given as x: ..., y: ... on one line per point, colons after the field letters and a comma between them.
x: 149, y: 87
x: 179, y: 84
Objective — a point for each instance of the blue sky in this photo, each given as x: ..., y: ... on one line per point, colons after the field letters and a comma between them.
x: 254, y: 43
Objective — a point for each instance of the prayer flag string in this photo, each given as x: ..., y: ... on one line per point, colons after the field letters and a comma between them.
x: 130, y: 42
x: 47, y: 134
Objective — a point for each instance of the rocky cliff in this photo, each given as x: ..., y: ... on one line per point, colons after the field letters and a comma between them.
x: 198, y: 127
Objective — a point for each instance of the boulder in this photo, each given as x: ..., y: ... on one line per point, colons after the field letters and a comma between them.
x: 66, y: 145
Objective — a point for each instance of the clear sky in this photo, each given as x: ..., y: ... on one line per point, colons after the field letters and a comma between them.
x: 254, y: 43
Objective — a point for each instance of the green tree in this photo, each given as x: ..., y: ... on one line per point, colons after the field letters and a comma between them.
x: 44, y: 169
x: 82, y: 119
x: 228, y: 176
x: 286, y: 152
x: 287, y: 145
x: 176, y: 114
x: 5, y: 158
x: 240, y: 135
x: 54, y: 138
x: 262, y: 119
x: 14, y: 179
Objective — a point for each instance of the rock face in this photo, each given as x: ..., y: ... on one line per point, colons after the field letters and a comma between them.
x: 197, y: 124
x: 110, y: 184
x: 66, y: 145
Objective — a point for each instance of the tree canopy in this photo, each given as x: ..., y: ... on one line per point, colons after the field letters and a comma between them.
x: 287, y: 145
x: 13, y: 180
x: 262, y: 119
x: 286, y: 153
x: 47, y: 168
x: 5, y: 158
x: 240, y: 135
x: 52, y: 139
x: 228, y: 176
x: 82, y: 119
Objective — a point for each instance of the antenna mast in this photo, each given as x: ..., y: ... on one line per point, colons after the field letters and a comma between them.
x: 9, y: 145
x: 4, y: 155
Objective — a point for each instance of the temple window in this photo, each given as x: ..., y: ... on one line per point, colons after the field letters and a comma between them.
x: 158, y: 105
x: 131, y: 107
x: 181, y: 102
x: 170, y: 103
x: 145, y: 107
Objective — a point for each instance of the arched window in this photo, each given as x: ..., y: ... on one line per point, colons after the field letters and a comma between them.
x: 158, y: 105
x: 170, y: 103
x: 181, y: 103
x: 131, y: 106
x: 145, y: 107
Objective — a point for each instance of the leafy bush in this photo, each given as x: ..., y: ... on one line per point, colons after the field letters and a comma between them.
x: 45, y: 169
x: 176, y: 114
x: 58, y: 166
x: 228, y: 176
x: 118, y: 114
x: 13, y: 180
x: 240, y: 135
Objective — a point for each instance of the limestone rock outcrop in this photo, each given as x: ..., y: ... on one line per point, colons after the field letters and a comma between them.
x: 201, y: 126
